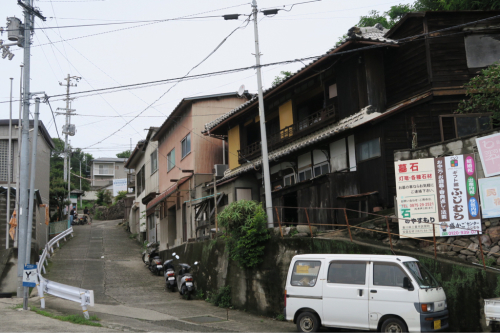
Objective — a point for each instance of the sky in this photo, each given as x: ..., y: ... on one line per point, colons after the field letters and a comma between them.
x: 109, y: 47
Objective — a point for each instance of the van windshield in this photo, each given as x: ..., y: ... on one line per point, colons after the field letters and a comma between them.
x: 423, y: 277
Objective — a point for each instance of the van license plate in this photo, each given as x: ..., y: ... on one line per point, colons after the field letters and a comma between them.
x: 437, y: 324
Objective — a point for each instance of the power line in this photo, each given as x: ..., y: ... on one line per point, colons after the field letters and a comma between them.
x: 166, y: 92
x: 53, y: 117
x: 140, y: 25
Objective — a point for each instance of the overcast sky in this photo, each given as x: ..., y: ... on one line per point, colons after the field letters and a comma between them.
x: 142, y: 52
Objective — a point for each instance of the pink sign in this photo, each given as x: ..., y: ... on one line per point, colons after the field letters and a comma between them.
x: 469, y: 165
x: 489, y: 152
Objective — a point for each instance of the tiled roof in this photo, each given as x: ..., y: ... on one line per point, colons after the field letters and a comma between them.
x: 357, y: 119
x: 375, y: 33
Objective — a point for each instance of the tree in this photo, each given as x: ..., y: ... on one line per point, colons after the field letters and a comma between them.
x: 483, y: 91
x: 280, y: 78
x: 124, y: 154
x: 104, y: 198
x: 58, y: 187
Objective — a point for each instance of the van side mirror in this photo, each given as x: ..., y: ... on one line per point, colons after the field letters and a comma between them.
x: 407, y: 284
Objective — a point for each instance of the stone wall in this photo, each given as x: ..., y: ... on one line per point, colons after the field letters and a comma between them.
x: 260, y: 290
x: 114, y: 212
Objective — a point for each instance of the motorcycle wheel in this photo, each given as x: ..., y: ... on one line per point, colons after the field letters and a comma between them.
x: 144, y: 258
x: 158, y: 273
x: 188, y: 295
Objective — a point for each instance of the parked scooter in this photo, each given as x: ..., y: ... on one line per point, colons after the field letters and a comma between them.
x: 169, y: 273
x: 150, y: 248
x: 155, y: 265
x: 185, y: 282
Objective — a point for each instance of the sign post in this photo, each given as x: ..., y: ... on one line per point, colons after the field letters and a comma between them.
x: 439, y: 193
x: 29, y: 276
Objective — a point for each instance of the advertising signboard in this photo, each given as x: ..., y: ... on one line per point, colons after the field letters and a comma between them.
x: 489, y: 152
x: 490, y: 196
x: 442, y: 191
x: 119, y: 185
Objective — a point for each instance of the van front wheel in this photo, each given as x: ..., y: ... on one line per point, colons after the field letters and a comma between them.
x: 394, y: 325
x: 308, y: 322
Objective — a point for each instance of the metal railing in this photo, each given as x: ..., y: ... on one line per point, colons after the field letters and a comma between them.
x: 349, y: 227
x: 75, y: 294
x: 288, y: 132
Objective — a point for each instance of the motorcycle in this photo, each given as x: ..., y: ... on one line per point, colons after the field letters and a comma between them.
x: 169, y: 273
x: 150, y: 248
x: 185, y: 282
x: 154, y: 264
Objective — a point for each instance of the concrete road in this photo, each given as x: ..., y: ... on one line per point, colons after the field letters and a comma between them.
x: 128, y: 297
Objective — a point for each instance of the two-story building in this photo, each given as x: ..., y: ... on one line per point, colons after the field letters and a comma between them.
x: 144, y: 181
x: 186, y: 161
x: 40, y: 231
x: 333, y: 126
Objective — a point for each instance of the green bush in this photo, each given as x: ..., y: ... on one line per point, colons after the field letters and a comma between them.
x: 245, y: 225
x: 222, y: 298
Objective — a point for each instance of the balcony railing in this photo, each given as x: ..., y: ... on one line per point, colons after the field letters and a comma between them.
x: 131, y: 180
x: 286, y: 134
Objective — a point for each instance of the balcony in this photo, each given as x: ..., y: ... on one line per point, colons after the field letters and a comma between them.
x: 313, y: 122
x: 130, y: 180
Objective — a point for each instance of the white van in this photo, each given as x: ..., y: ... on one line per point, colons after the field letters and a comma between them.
x: 363, y: 292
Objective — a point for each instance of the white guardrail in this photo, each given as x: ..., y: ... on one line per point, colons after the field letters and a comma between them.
x: 45, y: 286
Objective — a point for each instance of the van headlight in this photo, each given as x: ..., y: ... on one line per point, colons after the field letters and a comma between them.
x: 427, y: 307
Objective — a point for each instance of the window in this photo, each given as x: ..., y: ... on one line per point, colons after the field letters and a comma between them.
x: 482, y: 50
x: 456, y: 126
x: 347, y: 272
x: 321, y: 169
x: 186, y: 145
x: 421, y: 274
x: 305, y: 174
x: 305, y: 273
x: 4, y: 149
x: 289, y: 179
x: 170, y: 160
x: 106, y: 169
x: 141, y: 181
x: 387, y: 274
x: 368, y: 149
x: 154, y: 161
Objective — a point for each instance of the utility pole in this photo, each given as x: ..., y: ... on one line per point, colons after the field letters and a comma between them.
x: 18, y: 166
x: 29, y: 13
x: 263, y: 134
x: 9, y: 169
x: 80, y: 181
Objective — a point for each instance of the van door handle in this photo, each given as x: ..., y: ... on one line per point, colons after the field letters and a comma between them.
x: 360, y: 292
x: 373, y: 291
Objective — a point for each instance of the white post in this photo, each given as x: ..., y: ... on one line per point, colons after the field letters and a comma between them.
x: 263, y: 135
x: 32, y: 182
x: 9, y: 167
x: 18, y: 171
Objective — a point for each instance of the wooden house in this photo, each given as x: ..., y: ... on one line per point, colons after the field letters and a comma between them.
x: 333, y: 126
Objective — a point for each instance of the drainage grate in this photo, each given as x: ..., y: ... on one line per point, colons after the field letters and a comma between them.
x: 203, y: 319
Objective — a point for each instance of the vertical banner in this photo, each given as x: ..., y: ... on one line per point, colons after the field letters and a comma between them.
x: 490, y: 196
x: 489, y: 152
x: 416, y: 191
x: 440, y: 190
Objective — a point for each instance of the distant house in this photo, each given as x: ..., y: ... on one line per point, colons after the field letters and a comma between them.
x: 42, y: 178
x: 144, y: 182
x: 105, y: 169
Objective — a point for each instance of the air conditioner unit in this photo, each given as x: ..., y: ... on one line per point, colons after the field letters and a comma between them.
x: 219, y: 169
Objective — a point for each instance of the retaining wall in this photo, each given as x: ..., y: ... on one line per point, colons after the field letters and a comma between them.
x: 260, y: 290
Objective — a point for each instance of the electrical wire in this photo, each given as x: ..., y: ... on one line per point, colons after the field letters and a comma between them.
x: 137, y: 26
x: 53, y: 116
x: 166, y: 92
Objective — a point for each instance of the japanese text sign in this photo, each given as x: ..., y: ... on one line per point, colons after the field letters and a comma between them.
x: 440, y: 190
x: 489, y: 152
x: 489, y: 188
